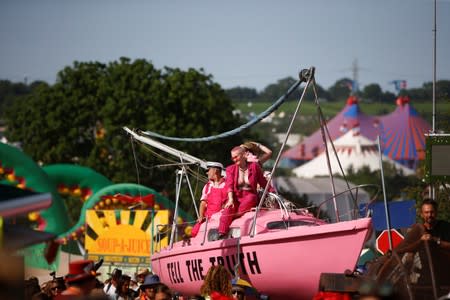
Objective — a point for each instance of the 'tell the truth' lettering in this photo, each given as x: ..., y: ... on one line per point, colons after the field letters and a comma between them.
x: 248, y: 262
x: 195, y: 269
x: 173, y: 269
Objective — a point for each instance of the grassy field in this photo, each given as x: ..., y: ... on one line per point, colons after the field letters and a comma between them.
x: 332, y: 108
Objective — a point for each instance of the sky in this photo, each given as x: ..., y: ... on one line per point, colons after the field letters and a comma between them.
x: 247, y: 43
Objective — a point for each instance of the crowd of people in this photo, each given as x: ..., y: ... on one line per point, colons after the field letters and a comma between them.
x: 82, y: 282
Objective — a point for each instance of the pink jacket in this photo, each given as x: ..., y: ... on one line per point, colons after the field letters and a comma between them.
x: 255, y: 177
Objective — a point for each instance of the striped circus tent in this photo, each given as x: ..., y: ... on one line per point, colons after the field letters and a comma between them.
x: 351, y: 118
x: 403, y: 134
x: 354, y: 151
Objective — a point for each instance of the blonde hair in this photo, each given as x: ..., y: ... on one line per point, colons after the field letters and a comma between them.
x: 238, y: 148
x: 252, y: 147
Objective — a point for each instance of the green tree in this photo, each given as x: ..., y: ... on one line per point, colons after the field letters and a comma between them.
x: 9, y: 91
x: 242, y: 94
x: 372, y: 92
x: 388, y: 97
x: 425, y: 93
x: 274, y: 91
x: 79, y: 119
x: 322, y: 94
x: 339, y: 90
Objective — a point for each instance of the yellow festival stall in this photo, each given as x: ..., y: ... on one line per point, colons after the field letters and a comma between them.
x: 124, y: 236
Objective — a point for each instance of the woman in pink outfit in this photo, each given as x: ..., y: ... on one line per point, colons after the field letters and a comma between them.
x: 214, y: 195
x: 242, y: 180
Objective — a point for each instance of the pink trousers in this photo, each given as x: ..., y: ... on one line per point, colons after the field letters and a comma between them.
x: 246, y: 200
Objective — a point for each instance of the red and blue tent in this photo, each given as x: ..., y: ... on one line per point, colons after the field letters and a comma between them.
x: 403, y: 134
x: 350, y: 118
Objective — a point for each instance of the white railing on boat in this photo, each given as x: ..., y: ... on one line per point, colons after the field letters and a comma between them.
x: 354, y: 211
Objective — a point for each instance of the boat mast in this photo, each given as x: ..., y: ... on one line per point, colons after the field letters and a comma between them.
x: 432, y: 192
x: 433, y: 129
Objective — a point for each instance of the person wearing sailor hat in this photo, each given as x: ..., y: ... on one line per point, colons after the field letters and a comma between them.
x: 213, y: 196
x: 214, y: 164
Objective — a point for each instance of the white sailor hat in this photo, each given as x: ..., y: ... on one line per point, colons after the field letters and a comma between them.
x: 213, y: 164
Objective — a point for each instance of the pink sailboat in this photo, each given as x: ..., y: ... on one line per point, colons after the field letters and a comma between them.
x: 279, y: 249
x: 283, y: 259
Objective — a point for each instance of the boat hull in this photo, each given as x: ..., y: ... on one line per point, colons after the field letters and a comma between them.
x: 283, y: 264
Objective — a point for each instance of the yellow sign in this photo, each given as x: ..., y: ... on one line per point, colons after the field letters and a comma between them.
x: 124, y: 236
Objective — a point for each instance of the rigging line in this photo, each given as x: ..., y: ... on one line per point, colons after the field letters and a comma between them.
x: 187, y: 170
x: 198, y: 177
x: 135, y: 159
x: 322, y: 123
x: 174, y: 162
x: 192, y: 172
x: 149, y: 167
x: 327, y: 132
x: 136, y: 166
x: 249, y: 124
x: 157, y: 155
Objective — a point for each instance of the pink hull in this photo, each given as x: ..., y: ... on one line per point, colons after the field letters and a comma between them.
x: 281, y: 263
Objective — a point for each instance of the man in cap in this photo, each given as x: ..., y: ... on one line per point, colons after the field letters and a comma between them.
x: 214, y: 194
x: 148, y: 287
x: 80, y: 280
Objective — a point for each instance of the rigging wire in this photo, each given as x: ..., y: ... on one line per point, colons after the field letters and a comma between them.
x: 196, y: 174
x: 199, y: 175
x: 260, y: 117
x: 326, y: 133
x: 135, y: 164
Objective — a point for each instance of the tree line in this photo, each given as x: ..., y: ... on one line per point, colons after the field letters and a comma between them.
x: 339, y: 91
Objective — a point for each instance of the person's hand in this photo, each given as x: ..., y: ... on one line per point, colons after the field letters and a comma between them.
x: 408, y: 260
x: 426, y: 237
x: 200, y: 219
x: 229, y: 204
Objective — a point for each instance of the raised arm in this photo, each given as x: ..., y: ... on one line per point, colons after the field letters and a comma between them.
x: 263, y: 153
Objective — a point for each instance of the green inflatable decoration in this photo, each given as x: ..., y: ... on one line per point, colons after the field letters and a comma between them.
x: 72, y: 175
x: 37, y: 180
x: 23, y: 168
x: 48, y: 178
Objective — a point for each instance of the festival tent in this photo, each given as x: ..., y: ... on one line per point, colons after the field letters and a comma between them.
x: 349, y: 118
x: 354, y: 151
x: 403, y: 137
